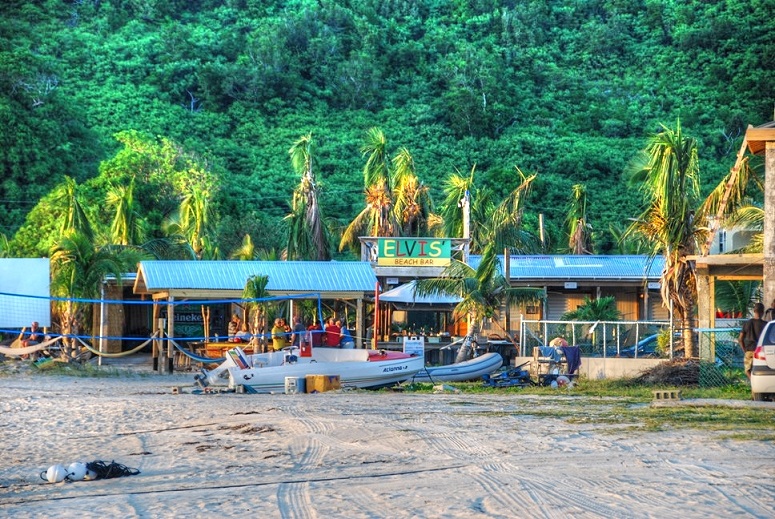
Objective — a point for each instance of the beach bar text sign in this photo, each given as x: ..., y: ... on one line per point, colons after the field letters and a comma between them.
x: 414, y: 252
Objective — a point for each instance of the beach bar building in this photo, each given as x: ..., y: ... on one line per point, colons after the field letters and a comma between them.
x: 169, y: 283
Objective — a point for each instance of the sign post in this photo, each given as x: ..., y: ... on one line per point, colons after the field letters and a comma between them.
x: 414, y: 345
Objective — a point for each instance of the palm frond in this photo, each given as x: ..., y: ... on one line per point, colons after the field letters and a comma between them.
x: 246, y: 251
x: 364, y: 220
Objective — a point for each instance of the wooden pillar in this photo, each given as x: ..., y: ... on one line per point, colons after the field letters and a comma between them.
x: 768, y: 280
x: 507, y: 275
x: 170, y: 333
x: 359, y: 323
x: 157, y: 329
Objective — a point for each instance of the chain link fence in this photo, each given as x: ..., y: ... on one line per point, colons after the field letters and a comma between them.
x: 720, y: 356
x: 721, y: 359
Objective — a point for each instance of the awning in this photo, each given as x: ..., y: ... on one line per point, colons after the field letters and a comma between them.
x: 406, y: 294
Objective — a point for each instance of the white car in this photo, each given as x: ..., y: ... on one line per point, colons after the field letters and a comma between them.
x: 763, y: 371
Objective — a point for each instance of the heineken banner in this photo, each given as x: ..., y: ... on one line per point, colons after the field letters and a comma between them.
x: 414, y: 252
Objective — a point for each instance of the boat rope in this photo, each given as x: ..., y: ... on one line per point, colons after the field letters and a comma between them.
x: 427, y: 372
x: 117, y: 355
x: 110, y: 470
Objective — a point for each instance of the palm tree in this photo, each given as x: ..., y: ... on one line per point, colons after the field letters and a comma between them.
x: 483, y: 291
x: 751, y: 218
x: 4, y: 247
x: 600, y: 309
x: 376, y: 219
x: 626, y: 242
x: 255, y: 288
x: 246, y: 251
x: 396, y: 202
x: 576, y: 223
x: 308, y: 237
x: 376, y: 172
x: 670, y: 176
x: 505, y: 223
x: 737, y: 296
x: 413, y: 205
x: 126, y: 228
x: 75, y: 216
x: 171, y: 248
x: 77, y: 272
x: 456, y: 187
x: 192, y: 223
x: 491, y: 223
x: 594, y: 310
x: 729, y: 197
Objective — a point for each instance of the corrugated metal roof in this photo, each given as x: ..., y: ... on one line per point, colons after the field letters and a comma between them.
x: 580, y: 267
x: 284, y: 276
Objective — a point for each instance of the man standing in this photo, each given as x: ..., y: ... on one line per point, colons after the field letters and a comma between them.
x: 299, y: 331
x: 278, y: 335
x: 345, y: 337
x: 749, y: 336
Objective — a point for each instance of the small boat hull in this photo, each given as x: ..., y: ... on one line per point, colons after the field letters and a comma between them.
x: 469, y: 370
x: 266, y: 373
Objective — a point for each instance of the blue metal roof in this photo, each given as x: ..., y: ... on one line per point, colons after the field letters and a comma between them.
x: 284, y: 276
x: 581, y: 267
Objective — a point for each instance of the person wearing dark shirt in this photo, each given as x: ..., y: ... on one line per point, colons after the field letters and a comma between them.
x: 749, y: 336
x: 298, y: 331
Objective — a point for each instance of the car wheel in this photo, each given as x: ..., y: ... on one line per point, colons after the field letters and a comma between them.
x: 759, y: 397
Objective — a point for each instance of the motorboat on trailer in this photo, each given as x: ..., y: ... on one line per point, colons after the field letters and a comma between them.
x: 472, y: 369
x: 267, y: 372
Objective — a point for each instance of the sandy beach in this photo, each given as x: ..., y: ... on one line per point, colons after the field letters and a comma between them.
x: 357, y: 454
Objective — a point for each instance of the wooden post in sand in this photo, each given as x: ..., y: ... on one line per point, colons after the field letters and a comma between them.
x: 157, y: 329
x: 170, y: 333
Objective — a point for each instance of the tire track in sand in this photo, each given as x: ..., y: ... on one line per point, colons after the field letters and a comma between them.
x: 308, y: 452
x: 459, y: 447
x: 754, y: 499
x: 508, y: 485
x: 293, y: 501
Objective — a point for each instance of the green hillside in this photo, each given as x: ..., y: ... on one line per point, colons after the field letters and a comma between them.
x: 569, y: 90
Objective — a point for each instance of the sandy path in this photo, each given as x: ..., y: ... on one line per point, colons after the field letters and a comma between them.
x: 356, y: 455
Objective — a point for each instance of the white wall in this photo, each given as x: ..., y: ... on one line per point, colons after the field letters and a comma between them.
x: 597, y: 368
x: 21, y: 277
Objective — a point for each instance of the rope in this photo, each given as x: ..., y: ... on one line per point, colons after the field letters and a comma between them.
x: 17, y: 352
x: 198, y: 358
x: 309, y: 295
x: 110, y: 470
x: 116, y: 355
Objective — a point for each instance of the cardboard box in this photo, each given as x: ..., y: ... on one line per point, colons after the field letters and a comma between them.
x: 322, y: 383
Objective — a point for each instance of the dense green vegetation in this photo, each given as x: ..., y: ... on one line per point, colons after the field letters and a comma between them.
x: 568, y: 90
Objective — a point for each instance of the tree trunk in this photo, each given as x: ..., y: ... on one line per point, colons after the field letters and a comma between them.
x: 466, y: 351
